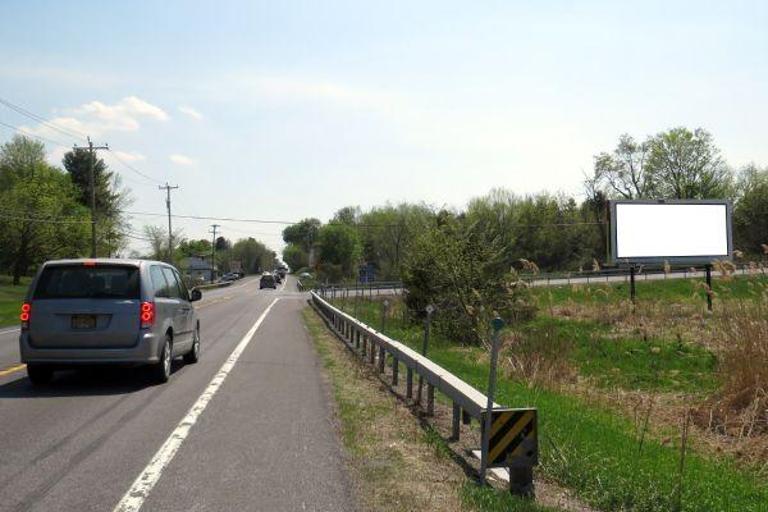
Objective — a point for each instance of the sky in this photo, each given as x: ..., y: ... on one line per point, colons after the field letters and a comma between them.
x: 285, y: 110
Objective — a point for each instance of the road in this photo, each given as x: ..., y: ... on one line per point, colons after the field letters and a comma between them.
x: 264, y: 438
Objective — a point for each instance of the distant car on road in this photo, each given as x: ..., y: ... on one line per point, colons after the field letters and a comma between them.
x: 267, y: 281
x: 229, y: 277
x: 278, y: 277
x: 94, y: 311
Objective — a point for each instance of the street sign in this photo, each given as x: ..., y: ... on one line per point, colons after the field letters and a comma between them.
x: 513, y: 439
x: 683, y: 232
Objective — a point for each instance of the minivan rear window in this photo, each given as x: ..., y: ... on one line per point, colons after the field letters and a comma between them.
x: 88, y: 282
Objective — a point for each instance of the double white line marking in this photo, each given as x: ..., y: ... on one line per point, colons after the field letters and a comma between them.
x: 142, y: 486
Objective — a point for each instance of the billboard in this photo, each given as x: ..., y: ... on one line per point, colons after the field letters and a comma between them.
x: 680, y: 232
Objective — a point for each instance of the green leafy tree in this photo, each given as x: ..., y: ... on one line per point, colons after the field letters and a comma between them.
x: 295, y: 257
x: 111, y: 198
x: 43, y: 219
x: 750, y: 215
x: 686, y: 164
x: 624, y: 172
x: 303, y: 234
x: 340, y: 250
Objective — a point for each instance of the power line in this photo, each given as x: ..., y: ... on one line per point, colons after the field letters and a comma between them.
x: 46, y: 122
x: 92, y: 178
x: 134, y: 169
x: 22, y: 131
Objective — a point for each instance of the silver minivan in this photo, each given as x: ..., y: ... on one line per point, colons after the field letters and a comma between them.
x: 94, y: 311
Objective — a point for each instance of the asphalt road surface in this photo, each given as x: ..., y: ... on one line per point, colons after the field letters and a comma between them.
x: 247, y: 428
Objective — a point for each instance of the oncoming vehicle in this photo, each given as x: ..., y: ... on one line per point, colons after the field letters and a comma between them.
x: 278, y: 277
x: 267, y: 281
x: 105, y: 311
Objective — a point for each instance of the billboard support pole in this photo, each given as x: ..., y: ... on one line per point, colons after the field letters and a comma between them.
x: 632, y: 291
x: 709, y: 286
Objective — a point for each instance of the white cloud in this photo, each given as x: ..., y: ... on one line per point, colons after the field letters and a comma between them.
x: 96, y: 118
x: 129, y: 156
x: 191, y: 112
x: 179, y: 159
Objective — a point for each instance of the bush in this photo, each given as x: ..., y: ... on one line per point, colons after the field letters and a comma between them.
x: 464, y: 277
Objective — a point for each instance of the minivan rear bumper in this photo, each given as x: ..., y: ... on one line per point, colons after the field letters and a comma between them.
x: 145, y: 351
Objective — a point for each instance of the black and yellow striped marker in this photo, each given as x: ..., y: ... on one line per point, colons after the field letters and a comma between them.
x: 513, y: 438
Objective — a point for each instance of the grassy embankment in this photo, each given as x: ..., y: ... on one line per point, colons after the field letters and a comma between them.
x: 10, y: 300
x: 610, y: 381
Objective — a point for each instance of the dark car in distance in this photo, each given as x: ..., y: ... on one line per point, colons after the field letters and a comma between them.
x: 267, y: 281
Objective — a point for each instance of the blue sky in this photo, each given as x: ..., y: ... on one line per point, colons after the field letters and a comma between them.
x: 282, y: 110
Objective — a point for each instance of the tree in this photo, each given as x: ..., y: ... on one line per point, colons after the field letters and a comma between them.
x: 43, y: 218
x: 349, y: 215
x: 303, y: 234
x: 623, y: 172
x: 157, y: 238
x: 686, y: 164
x: 111, y: 199
x: 750, y: 215
x: 295, y: 257
x: 254, y: 256
x: 340, y: 249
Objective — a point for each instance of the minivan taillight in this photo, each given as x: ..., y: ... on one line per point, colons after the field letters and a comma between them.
x: 26, y: 315
x: 147, y: 314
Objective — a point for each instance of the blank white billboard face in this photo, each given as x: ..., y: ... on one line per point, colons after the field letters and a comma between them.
x: 671, y: 230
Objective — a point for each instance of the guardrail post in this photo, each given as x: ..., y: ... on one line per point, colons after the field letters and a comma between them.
x: 465, y: 417
x: 372, y: 352
x: 425, y: 344
x: 382, y: 358
x: 357, y: 338
x: 365, y: 346
x: 430, y: 400
x: 456, y: 425
x: 395, y: 370
x: 409, y: 383
x: 497, y: 324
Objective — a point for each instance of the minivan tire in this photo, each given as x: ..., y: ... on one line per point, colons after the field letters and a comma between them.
x: 161, y: 371
x: 39, y: 374
x: 193, y: 355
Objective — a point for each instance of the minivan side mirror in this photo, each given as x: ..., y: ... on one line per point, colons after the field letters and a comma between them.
x: 195, y: 295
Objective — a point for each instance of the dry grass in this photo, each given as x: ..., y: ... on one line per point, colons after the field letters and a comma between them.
x: 739, y: 410
x: 539, y: 357
x: 393, y: 465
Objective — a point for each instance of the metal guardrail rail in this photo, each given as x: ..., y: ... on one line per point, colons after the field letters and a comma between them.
x: 374, y: 347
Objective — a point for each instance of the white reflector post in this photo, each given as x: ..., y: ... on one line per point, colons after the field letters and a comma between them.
x: 683, y: 232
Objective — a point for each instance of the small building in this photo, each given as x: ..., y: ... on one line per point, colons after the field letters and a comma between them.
x: 198, y: 270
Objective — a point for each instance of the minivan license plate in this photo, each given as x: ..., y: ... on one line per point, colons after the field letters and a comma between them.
x: 83, y: 321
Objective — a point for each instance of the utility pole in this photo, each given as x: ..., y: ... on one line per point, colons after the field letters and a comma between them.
x: 168, y: 189
x: 92, y: 179
x: 213, y: 248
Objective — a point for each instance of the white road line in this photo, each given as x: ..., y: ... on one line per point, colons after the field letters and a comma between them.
x: 142, y: 486
x: 7, y: 331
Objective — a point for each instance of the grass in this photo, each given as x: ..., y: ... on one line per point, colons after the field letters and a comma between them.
x: 596, y: 451
x: 396, y: 464
x: 11, y: 298
x: 630, y: 362
x: 688, y: 291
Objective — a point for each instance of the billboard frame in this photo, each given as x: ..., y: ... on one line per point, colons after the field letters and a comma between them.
x: 672, y: 260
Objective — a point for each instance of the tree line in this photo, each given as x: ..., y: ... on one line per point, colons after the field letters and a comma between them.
x: 552, y: 232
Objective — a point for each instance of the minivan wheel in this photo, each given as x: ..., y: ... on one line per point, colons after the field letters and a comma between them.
x: 193, y: 355
x: 161, y: 371
x: 39, y: 374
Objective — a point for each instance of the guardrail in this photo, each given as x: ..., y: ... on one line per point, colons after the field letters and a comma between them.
x: 213, y: 285
x: 361, y: 289
x: 373, y: 347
